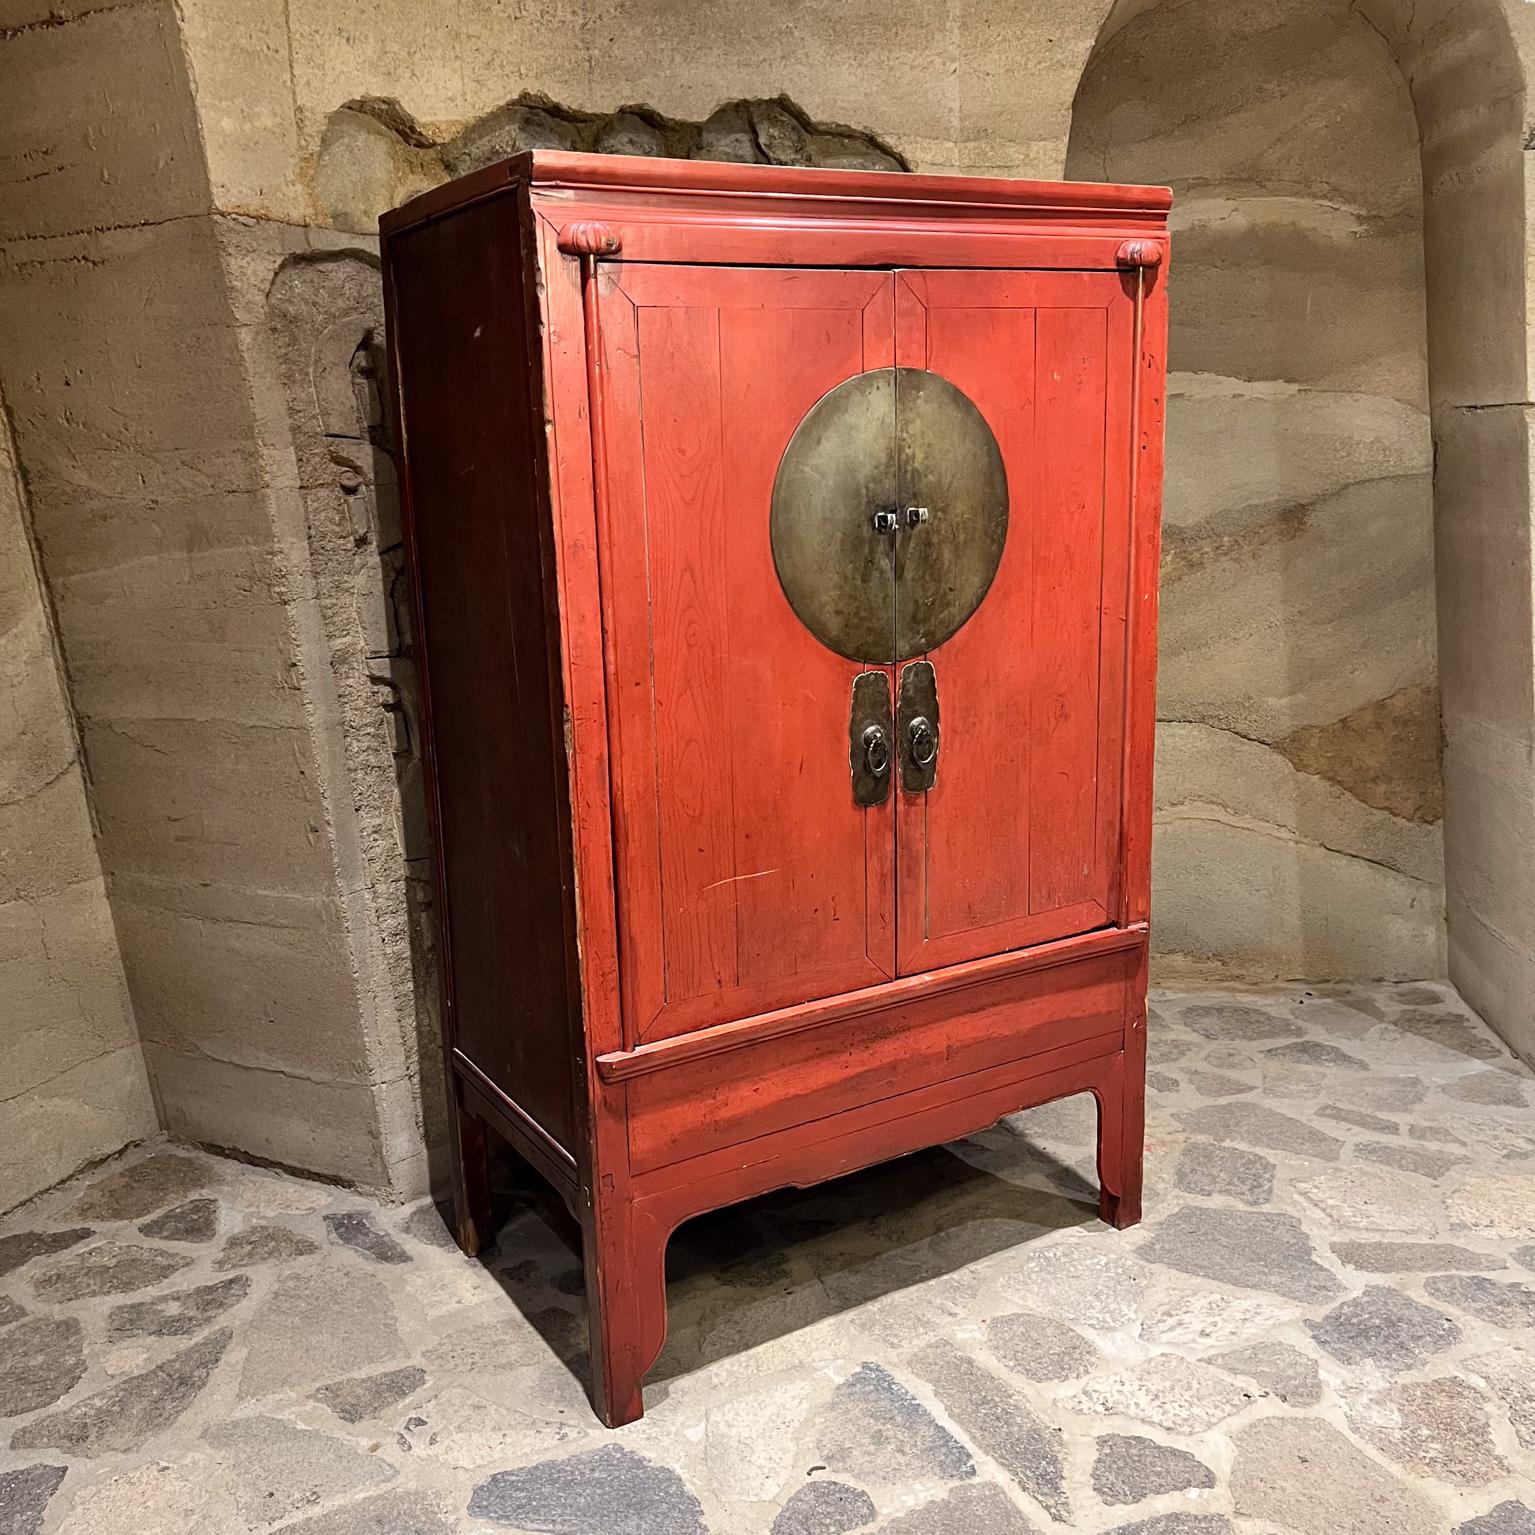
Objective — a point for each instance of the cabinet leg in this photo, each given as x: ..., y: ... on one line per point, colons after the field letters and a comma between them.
x: 470, y: 1154
x: 625, y: 1256
x: 1122, y: 1133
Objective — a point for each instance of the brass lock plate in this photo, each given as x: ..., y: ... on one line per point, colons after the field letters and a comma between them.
x: 889, y: 515
x: 916, y: 724
x: 871, y: 739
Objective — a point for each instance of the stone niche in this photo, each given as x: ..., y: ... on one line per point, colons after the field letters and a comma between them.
x: 374, y: 155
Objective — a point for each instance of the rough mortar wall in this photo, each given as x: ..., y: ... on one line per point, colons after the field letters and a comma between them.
x: 72, y: 1081
x: 1299, y: 790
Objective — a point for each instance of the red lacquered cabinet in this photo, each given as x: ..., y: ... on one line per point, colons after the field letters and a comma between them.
x: 784, y: 548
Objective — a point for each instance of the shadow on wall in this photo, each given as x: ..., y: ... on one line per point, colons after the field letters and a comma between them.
x: 325, y: 314
x: 374, y: 155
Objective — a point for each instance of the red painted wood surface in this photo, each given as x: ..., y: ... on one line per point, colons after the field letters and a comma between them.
x: 711, y: 928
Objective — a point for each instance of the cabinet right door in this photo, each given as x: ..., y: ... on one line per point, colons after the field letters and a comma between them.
x: 1017, y: 840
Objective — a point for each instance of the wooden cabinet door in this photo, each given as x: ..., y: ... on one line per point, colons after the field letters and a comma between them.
x: 748, y: 879
x: 1017, y: 840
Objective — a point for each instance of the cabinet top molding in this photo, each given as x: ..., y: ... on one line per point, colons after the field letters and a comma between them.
x: 637, y: 181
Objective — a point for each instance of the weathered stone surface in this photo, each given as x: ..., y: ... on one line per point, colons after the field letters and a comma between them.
x: 1078, y: 1281
x: 1214, y: 1319
x: 1233, y: 1021
x: 1281, y: 1370
x: 1454, y: 1034
x: 1302, y: 1474
x: 384, y: 1513
x: 9, y: 1311
x: 317, y: 1324
x: 1438, y: 1135
x: 1504, y: 1303
x: 978, y: 1509
x: 1437, y: 1428
x: 365, y: 1396
x: 1507, y: 1518
x: 1409, y: 1159
x: 1179, y: 1522
x: 1219, y: 1084
x: 1001, y: 1423
x: 426, y: 1224
x: 1255, y: 1250
x: 1510, y: 1371
x: 726, y: 134
x: 1038, y: 1347
x: 1255, y: 1124
x: 178, y: 1315
x: 825, y: 1507
x: 1315, y: 1052
x: 1128, y: 1468
x: 263, y: 1244
x: 1495, y: 1204
x: 131, y: 1411
x: 25, y: 1495
x: 1525, y: 1257
x: 184, y: 1493
x: 1358, y: 1119
x: 1166, y: 1391
x: 609, y: 1489
x: 1413, y: 1258
x: 1385, y: 1328
x: 1496, y: 1089
x: 131, y: 1193
x: 1162, y: 1082
x: 873, y: 1429
x: 1365, y: 1198
x: 109, y: 1268
x: 23, y: 1246
x: 195, y: 1221
x: 1225, y: 1172
x: 358, y: 1230
x: 279, y: 1470
x: 40, y: 1361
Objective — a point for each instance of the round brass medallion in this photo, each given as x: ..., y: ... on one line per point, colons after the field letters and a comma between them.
x: 889, y: 514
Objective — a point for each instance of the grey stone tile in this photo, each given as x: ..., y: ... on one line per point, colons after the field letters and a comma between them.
x: 366, y: 1396
x: 1178, y: 1522
x: 263, y: 1244
x: 825, y: 1507
x: 980, y: 1509
x: 1496, y: 1089
x: 130, y: 1412
x: 1339, y: 1114
x: 40, y: 1361
x: 1213, y: 1171
x: 1039, y: 1348
x: 1432, y: 1428
x: 1413, y: 1258
x: 1278, y: 1367
x: 109, y: 1268
x: 195, y: 1221
x: 998, y: 1421
x: 1507, y: 1518
x: 1503, y: 1303
x: 426, y: 1224
x: 25, y: 1495
x: 132, y: 1192
x: 279, y: 1470
x: 1410, y: 1159
x: 178, y: 1315
x: 358, y: 1230
x: 1167, y: 1391
x: 1383, y: 1327
x: 1256, y: 1125
x: 874, y: 1430
x: 9, y: 1311
x: 1235, y: 1021
x: 402, y: 1512
x: 609, y: 1491
x: 23, y: 1246
x: 1252, y: 1249
x: 1129, y: 1468
x: 1315, y: 1052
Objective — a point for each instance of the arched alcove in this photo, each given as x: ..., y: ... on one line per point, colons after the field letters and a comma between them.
x: 1347, y: 568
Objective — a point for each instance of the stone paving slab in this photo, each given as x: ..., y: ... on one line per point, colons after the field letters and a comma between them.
x: 1326, y: 1323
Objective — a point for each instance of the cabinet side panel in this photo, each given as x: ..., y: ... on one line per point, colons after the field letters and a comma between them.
x: 470, y: 426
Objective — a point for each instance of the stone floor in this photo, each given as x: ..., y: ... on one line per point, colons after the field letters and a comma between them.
x: 1325, y: 1324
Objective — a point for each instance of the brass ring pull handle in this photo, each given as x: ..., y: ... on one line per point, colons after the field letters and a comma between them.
x: 922, y: 741
x: 916, y: 516
x: 876, y: 751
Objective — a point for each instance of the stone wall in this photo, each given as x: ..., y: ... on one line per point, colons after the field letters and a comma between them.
x: 1299, y: 787
x: 188, y: 340
x: 72, y: 1082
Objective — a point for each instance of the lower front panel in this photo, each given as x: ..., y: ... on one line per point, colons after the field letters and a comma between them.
x: 696, y: 1106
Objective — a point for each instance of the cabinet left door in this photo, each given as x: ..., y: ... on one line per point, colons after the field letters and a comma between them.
x: 749, y: 878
